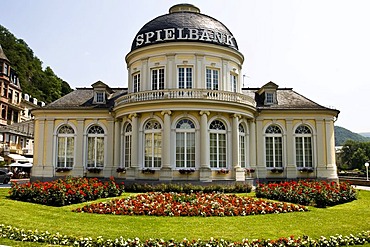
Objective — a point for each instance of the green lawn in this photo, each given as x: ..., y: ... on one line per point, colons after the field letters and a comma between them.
x: 343, y: 219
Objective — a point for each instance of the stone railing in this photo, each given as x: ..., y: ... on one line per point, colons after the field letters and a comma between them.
x: 197, y: 94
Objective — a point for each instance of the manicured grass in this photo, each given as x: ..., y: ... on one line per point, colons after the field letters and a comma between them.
x: 342, y: 219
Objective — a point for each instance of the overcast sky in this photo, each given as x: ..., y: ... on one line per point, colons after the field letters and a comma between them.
x: 320, y: 48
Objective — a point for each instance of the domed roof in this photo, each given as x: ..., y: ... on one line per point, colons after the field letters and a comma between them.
x: 184, y: 23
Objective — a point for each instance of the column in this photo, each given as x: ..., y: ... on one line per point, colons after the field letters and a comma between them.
x: 79, y: 164
x: 199, y: 72
x: 239, y: 172
x: 38, y: 161
x: 166, y: 171
x: 49, y: 162
x: 109, y: 145
x: 252, y: 143
x: 330, y: 150
x: 235, y: 141
x: 204, y: 139
x: 166, y: 151
x: 117, y: 142
x: 291, y: 170
x: 205, y: 172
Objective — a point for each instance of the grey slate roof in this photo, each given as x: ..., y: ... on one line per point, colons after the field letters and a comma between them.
x: 2, y: 54
x: 83, y: 98
x: 287, y: 98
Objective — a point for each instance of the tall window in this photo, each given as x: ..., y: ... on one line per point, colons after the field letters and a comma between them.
x: 95, y: 146
x: 274, y: 146
x: 242, y: 147
x: 127, y: 145
x: 185, y: 77
x: 65, y: 146
x: 212, y: 79
x: 153, y: 144
x: 158, y: 79
x: 217, y: 144
x: 185, y: 143
x: 136, y: 82
x: 303, y: 146
x: 233, y: 79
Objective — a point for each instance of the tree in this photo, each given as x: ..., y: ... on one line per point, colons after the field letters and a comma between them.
x: 38, y: 83
x: 355, y: 154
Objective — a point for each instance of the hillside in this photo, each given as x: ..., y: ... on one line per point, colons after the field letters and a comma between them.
x: 40, y: 83
x: 343, y: 134
x: 366, y: 134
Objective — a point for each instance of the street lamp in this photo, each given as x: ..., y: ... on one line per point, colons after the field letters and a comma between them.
x: 367, y: 171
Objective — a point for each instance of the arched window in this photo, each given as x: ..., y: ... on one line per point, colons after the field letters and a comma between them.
x: 127, y: 144
x: 185, y: 143
x: 153, y: 144
x: 217, y: 144
x: 274, y: 146
x: 303, y: 146
x: 242, y: 147
x: 95, y: 146
x: 65, y: 146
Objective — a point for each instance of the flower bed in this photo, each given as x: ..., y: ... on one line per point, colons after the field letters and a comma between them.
x: 317, y: 193
x: 195, y: 204
x: 17, y: 234
x: 65, y: 191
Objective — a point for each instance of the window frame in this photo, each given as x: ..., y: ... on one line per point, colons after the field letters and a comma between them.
x: 186, y: 83
x: 98, y: 139
x: 274, y: 138
x: 212, y: 79
x: 127, y: 146
x: 243, y: 146
x: 65, y: 137
x: 307, y: 158
x: 219, y: 136
x: 233, y: 82
x: 136, y: 78
x: 187, y: 141
x: 159, y: 82
x: 154, y: 160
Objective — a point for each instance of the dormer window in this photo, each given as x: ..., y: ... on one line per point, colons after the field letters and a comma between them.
x: 101, y: 92
x: 99, y: 97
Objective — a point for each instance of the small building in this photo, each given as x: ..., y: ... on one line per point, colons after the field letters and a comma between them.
x: 185, y: 116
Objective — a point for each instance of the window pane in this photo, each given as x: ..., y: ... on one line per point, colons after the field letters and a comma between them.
x: 61, y: 151
x: 299, y: 151
x: 90, y: 152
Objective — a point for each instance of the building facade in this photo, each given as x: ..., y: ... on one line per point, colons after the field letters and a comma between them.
x: 185, y: 116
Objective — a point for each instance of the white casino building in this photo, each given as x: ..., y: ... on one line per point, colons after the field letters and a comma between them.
x: 185, y: 116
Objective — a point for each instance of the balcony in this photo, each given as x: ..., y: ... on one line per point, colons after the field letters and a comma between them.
x: 186, y: 94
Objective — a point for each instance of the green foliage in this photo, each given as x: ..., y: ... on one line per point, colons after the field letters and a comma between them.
x: 342, y: 135
x: 65, y: 191
x: 41, y: 84
x: 188, y: 188
x: 354, y: 154
x: 58, y: 239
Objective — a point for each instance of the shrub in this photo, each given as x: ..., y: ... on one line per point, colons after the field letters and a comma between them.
x: 189, y: 188
x: 59, y: 239
x: 65, y: 191
x: 317, y: 193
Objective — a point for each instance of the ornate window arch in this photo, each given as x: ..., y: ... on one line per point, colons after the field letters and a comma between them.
x: 185, y: 143
x: 65, y: 146
x: 303, y: 146
x: 153, y: 144
x: 127, y: 145
x: 218, y: 144
x: 95, y: 146
x: 274, y: 146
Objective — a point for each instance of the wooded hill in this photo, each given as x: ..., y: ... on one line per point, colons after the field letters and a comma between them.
x: 343, y: 134
x: 39, y: 83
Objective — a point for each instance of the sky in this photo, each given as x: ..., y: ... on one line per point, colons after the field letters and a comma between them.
x: 320, y: 48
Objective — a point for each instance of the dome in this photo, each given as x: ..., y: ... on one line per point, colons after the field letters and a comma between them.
x: 184, y: 23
